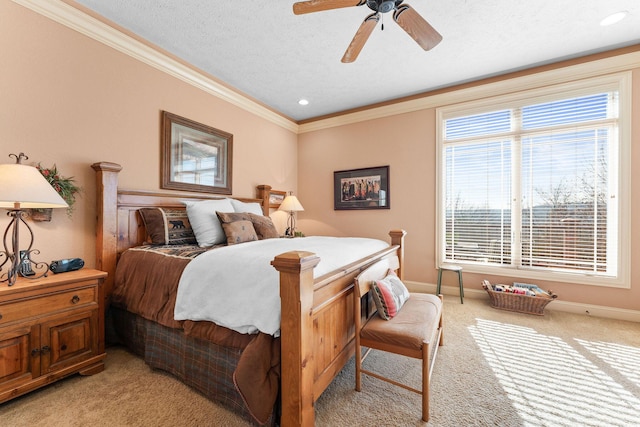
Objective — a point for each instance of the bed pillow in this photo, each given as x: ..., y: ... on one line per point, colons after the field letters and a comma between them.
x: 249, y: 207
x: 168, y: 226
x: 226, y: 217
x: 237, y: 227
x: 239, y: 232
x: 264, y: 227
x: 389, y: 294
x: 204, y: 221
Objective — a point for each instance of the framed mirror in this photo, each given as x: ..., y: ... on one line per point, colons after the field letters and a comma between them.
x: 195, y: 157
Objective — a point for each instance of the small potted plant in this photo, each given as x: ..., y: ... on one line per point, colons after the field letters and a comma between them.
x: 66, y: 187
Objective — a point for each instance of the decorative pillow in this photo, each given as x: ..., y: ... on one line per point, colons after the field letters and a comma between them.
x: 264, y: 227
x: 390, y: 294
x: 168, y: 226
x: 204, y: 221
x: 251, y: 207
x: 225, y: 217
x: 239, y: 232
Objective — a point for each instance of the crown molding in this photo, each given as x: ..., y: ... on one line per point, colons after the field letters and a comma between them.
x: 505, y: 85
x: 89, y: 26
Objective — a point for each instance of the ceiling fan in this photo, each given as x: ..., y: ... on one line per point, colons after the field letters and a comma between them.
x: 410, y: 21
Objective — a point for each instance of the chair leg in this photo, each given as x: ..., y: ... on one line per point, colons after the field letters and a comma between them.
x: 439, y: 281
x: 358, y: 358
x: 425, y: 382
x: 441, y: 324
x: 461, y: 287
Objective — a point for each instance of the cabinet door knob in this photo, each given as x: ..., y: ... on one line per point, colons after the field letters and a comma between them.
x: 40, y: 351
x: 0, y: 316
x: 75, y: 299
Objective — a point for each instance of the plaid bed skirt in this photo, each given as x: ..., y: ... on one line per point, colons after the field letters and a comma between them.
x: 202, y: 365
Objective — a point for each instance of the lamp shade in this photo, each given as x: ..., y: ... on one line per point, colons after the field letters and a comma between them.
x: 291, y: 204
x: 24, y: 187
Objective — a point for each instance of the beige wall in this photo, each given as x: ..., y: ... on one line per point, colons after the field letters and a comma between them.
x: 69, y: 100
x: 406, y: 143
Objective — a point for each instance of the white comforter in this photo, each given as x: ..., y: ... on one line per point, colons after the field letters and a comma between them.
x: 237, y: 287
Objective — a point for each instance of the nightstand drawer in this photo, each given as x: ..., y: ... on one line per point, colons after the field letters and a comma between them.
x: 29, y: 308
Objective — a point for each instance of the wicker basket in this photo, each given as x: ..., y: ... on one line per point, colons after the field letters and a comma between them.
x: 517, y: 302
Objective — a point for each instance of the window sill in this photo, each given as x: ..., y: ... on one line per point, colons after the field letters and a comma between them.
x: 547, y: 275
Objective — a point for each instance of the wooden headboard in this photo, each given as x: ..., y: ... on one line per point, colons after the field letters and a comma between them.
x: 120, y: 226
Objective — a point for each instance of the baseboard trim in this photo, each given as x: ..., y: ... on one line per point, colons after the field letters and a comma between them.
x: 558, y: 305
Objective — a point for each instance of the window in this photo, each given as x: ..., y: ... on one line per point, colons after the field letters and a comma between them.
x: 532, y: 183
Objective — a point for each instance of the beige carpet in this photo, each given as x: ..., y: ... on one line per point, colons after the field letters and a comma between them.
x: 496, y: 369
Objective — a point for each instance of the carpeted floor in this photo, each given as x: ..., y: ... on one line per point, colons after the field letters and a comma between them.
x: 496, y: 368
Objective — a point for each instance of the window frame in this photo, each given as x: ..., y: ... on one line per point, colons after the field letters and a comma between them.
x: 620, y: 82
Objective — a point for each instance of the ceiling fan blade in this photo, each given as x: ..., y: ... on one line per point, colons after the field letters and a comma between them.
x: 361, y: 37
x: 415, y: 25
x: 302, y: 7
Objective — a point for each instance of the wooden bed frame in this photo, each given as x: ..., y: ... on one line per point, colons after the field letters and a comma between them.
x: 317, y: 328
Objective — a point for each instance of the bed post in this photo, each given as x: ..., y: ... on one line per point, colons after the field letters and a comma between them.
x: 296, y: 337
x: 107, y: 215
x: 264, y: 192
x: 397, y: 238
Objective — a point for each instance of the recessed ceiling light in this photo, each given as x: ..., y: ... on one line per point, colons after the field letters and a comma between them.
x: 303, y: 101
x: 614, y: 18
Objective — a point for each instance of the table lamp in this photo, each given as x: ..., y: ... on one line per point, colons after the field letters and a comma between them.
x: 23, y: 187
x: 292, y: 205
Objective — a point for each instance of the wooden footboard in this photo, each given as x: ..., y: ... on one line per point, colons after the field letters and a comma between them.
x: 317, y: 330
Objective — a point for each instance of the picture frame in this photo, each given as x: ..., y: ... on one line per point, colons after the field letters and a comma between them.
x: 365, y: 188
x: 276, y: 198
x: 195, y: 157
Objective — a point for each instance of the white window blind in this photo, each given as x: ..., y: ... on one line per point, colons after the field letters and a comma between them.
x: 533, y: 184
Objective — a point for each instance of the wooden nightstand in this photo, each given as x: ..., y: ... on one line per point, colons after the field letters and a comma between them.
x: 50, y: 328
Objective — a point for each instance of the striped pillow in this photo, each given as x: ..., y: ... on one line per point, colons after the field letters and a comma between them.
x: 389, y: 294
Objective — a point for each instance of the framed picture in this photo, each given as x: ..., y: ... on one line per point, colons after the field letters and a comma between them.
x: 366, y: 188
x: 195, y: 157
x: 276, y: 198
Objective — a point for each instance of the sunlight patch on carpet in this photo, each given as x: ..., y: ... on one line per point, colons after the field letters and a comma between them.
x: 623, y: 358
x: 551, y: 383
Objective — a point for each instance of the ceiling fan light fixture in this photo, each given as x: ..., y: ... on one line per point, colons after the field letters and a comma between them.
x: 403, y: 14
x: 614, y: 18
x: 383, y: 6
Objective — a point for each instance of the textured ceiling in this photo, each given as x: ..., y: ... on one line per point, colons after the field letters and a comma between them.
x: 262, y: 49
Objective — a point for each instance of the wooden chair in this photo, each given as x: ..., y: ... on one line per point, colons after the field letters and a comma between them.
x: 413, y: 332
